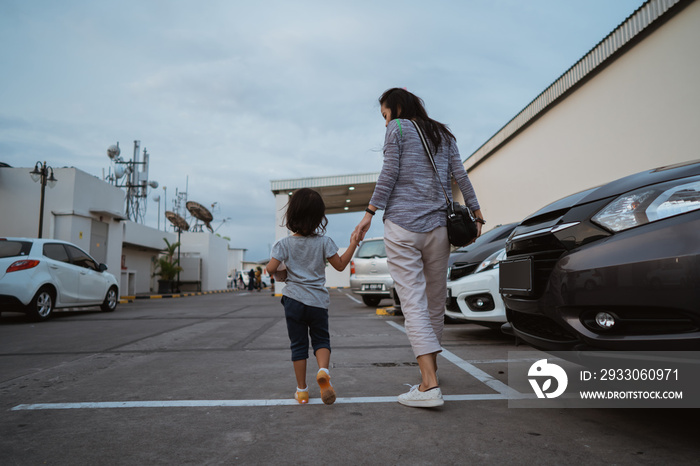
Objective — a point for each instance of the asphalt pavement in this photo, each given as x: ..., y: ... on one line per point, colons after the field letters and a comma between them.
x: 207, y: 379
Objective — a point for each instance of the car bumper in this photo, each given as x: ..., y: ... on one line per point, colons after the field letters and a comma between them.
x: 372, y: 286
x: 476, y: 298
x: 652, y: 311
x: 18, y: 285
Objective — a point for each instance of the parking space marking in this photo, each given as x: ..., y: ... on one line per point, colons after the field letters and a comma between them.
x: 504, y: 392
x: 232, y: 403
x: 472, y: 370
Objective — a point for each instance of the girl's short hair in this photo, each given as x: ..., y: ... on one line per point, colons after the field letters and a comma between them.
x: 306, y: 213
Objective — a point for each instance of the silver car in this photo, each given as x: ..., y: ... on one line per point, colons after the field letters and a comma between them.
x: 40, y: 275
x: 369, y: 273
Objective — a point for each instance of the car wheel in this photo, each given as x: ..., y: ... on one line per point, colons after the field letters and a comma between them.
x: 41, y: 306
x: 371, y: 301
x: 110, y: 302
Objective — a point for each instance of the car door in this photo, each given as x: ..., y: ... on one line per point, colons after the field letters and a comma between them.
x: 92, y: 284
x: 64, y: 274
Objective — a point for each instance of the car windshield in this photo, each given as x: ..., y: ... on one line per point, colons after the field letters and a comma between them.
x: 14, y: 248
x: 371, y: 249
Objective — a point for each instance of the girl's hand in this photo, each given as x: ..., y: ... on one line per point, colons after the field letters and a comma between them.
x: 363, y: 227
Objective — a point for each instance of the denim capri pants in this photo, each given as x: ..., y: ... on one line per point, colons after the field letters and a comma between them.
x: 304, y: 321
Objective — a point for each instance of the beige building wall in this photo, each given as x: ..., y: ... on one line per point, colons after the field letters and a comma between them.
x: 640, y: 112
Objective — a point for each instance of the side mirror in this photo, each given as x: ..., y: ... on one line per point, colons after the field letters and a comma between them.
x: 102, y: 267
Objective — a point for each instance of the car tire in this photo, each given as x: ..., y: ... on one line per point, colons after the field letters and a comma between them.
x: 111, y: 300
x: 371, y: 301
x: 42, y: 305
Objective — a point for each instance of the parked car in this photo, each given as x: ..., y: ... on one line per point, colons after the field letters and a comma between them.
x: 465, y: 260
x: 472, y: 280
x: 40, y: 275
x: 369, y: 272
x: 613, y: 267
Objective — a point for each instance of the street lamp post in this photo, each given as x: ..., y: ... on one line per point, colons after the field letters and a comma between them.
x: 43, y: 173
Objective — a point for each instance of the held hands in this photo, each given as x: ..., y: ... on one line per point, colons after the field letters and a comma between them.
x: 363, y: 227
x: 354, y: 239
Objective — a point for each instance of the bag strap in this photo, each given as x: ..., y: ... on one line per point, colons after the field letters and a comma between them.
x: 432, y: 161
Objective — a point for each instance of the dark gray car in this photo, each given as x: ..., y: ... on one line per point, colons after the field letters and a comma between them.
x: 613, y: 267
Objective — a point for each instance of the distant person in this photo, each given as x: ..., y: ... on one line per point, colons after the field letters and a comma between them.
x: 251, y: 280
x: 415, y: 227
x: 300, y: 261
x: 258, y: 279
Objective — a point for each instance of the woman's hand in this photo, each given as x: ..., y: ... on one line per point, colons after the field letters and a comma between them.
x: 363, y: 227
x: 479, y: 225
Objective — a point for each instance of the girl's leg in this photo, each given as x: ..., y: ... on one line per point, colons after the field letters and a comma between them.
x: 300, y: 372
x: 298, y: 337
x: 323, y: 357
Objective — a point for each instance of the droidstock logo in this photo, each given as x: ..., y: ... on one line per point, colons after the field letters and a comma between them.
x: 545, y: 372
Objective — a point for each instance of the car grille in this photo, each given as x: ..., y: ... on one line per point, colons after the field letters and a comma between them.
x: 452, y: 305
x: 539, y: 326
x: 545, y: 250
x: 461, y: 270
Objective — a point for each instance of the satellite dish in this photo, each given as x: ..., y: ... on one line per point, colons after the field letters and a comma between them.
x: 200, y: 212
x: 119, y: 171
x: 176, y: 220
x: 113, y: 151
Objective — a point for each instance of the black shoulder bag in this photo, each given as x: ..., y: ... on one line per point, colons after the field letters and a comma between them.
x: 461, y: 223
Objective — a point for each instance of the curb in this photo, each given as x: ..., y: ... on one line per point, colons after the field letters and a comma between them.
x: 386, y: 311
x: 131, y: 299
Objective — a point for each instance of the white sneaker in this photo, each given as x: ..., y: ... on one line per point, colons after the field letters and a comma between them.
x: 419, y: 399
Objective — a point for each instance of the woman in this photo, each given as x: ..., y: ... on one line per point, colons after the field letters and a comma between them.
x: 415, y: 232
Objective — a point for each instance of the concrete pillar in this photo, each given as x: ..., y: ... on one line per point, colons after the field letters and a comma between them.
x: 281, y: 231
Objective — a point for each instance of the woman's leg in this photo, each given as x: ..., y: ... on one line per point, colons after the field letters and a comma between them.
x: 436, y: 255
x: 428, y: 369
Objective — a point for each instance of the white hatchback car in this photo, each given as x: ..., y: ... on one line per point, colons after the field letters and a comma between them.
x: 477, y: 295
x: 369, y: 272
x: 40, y: 275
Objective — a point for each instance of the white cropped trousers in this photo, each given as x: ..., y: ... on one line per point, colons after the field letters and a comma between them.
x: 418, y: 264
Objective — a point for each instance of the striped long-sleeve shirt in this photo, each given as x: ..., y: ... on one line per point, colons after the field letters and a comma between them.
x: 407, y: 188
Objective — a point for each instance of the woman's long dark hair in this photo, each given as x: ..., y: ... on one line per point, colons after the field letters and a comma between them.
x: 403, y: 104
x: 306, y: 213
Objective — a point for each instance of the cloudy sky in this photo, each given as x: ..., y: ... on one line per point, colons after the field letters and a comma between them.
x: 228, y: 95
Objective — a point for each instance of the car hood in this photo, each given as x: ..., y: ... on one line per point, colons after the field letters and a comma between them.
x: 478, y: 254
x: 620, y: 186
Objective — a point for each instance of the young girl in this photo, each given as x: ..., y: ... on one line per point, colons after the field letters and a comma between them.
x: 305, y: 297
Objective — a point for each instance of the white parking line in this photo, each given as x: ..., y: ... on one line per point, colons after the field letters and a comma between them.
x: 230, y: 403
x: 504, y: 393
x: 472, y: 370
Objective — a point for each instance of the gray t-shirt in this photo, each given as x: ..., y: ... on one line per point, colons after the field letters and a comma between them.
x: 407, y: 188
x: 305, y: 259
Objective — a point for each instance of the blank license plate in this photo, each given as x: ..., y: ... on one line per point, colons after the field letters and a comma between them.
x: 372, y: 287
x: 516, y: 277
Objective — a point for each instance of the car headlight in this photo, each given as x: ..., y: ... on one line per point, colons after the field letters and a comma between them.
x: 650, y: 204
x: 492, y: 261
